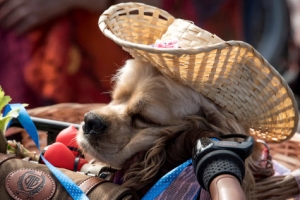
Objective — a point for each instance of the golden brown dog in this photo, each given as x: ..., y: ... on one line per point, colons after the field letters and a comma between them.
x: 151, y: 125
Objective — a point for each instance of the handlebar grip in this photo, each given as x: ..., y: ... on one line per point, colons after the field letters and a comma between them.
x: 217, y: 163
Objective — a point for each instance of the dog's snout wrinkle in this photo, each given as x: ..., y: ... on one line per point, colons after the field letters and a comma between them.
x: 93, y: 124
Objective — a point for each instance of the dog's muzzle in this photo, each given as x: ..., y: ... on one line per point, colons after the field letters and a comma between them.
x: 93, y: 124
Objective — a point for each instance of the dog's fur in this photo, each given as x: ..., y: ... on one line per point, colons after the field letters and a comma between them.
x: 153, y: 114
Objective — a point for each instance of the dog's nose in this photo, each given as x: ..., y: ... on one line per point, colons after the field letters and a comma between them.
x: 93, y: 124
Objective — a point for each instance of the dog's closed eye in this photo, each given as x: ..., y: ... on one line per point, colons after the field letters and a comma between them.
x: 140, y: 121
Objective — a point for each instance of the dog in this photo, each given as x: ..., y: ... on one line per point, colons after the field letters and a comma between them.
x: 151, y: 126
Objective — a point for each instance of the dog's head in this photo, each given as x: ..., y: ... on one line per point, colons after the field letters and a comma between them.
x: 147, y: 109
x: 143, y: 103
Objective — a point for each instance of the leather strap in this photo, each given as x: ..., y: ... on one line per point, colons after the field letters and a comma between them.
x: 87, y: 185
x: 5, y: 157
x: 92, y: 186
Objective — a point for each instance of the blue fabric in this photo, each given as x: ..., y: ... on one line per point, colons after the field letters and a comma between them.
x: 185, y: 186
x: 74, y: 191
x: 165, y: 181
x: 214, y: 139
x: 197, y: 196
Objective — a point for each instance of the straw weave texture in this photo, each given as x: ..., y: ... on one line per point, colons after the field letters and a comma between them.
x: 231, y: 73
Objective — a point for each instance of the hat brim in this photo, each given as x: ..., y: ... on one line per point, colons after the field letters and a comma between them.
x: 231, y: 73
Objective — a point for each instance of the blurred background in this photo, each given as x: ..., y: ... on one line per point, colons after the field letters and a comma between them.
x: 53, y: 52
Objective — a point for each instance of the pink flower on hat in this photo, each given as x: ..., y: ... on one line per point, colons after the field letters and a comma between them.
x: 173, y: 43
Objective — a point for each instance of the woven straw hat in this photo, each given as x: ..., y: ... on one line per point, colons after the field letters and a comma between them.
x: 231, y: 73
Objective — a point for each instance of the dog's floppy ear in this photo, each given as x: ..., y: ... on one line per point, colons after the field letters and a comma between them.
x: 217, y: 119
x: 179, y: 149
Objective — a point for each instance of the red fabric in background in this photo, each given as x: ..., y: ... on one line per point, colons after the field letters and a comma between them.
x: 15, y: 52
x: 70, y: 60
x: 74, y: 61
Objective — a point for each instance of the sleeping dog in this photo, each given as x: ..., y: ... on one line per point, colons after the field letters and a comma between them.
x: 152, y: 124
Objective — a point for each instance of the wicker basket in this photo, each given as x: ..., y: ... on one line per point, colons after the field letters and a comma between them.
x: 287, y: 153
x: 66, y: 112
x: 275, y: 187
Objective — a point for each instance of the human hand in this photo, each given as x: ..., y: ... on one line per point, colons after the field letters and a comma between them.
x: 24, y: 15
